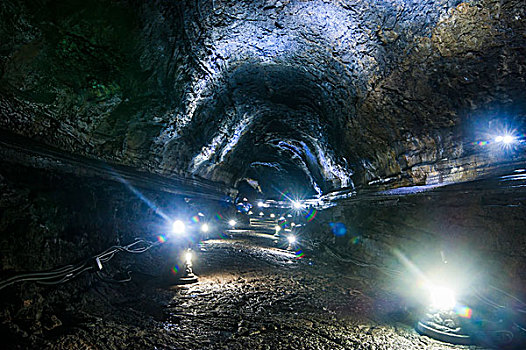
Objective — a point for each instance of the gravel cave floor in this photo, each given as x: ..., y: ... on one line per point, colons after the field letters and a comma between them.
x: 249, y: 296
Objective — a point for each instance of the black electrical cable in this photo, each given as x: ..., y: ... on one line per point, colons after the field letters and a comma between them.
x: 68, y: 272
x: 36, y: 276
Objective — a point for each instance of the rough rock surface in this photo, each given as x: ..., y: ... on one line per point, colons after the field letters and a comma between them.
x: 319, y: 94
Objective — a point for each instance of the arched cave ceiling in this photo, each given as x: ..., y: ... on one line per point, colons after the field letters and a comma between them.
x: 315, y: 95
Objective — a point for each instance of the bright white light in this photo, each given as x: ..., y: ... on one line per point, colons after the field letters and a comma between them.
x: 261, y: 213
x: 289, y: 215
x: 277, y: 228
x: 250, y: 212
x: 297, y: 205
x: 507, y: 139
x: 188, y: 257
x: 232, y: 223
x: 261, y: 204
x: 201, y: 214
x: 282, y: 218
x: 178, y: 227
x: 205, y: 227
x: 442, y: 298
x: 291, y: 239
x: 272, y: 215
x: 292, y: 224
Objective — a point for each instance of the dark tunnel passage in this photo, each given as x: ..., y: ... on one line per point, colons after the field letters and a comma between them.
x: 270, y: 123
x: 310, y: 174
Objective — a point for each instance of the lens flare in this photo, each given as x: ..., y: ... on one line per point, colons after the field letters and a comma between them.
x: 161, y: 238
x: 464, y: 311
x: 299, y: 254
x: 205, y: 228
x: 232, y: 223
x: 311, y: 214
x: 175, y: 269
x: 285, y: 195
x: 338, y: 228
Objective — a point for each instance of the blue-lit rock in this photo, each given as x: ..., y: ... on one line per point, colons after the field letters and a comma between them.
x: 337, y: 93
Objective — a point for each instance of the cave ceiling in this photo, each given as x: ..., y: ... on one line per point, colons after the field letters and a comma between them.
x: 312, y: 95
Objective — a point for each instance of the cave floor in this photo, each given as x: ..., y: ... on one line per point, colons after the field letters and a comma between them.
x: 248, y: 296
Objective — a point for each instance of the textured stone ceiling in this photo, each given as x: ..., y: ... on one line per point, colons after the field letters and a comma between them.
x: 311, y: 95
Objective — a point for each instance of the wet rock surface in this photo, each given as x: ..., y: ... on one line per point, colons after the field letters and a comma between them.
x: 246, y: 297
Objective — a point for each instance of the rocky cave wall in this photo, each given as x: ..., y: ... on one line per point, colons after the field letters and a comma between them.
x: 319, y: 94
x: 49, y: 219
x: 474, y: 231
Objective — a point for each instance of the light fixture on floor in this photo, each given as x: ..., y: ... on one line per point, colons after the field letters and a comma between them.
x: 292, y: 241
x: 188, y: 276
x: 178, y: 228
x: 297, y: 205
x: 441, y: 320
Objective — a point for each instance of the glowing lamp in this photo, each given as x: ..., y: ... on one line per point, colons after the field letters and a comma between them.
x: 188, y: 257
x: 178, y: 227
x: 272, y: 215
x: 291, y: 239
x: 205, y: 228
x: 261, y: 213
x: 232, y: 223
x: 297, y: 205
x: 277, y: 228
x: 442, y: 298
x: 261, y: 204
x: 507, y: 139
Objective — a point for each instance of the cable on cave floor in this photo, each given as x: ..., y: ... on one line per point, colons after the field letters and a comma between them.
x: 66, y: 273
